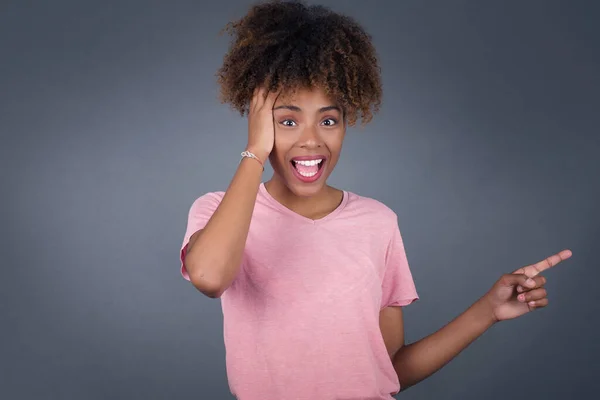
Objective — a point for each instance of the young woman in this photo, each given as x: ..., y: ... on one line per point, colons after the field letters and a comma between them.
x: 312, y: 279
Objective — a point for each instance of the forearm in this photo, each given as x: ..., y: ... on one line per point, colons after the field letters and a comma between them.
x: 214, y: 255
x: 419, y: 360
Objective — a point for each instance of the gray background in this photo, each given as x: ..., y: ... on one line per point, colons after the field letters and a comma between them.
x: 486, y: 147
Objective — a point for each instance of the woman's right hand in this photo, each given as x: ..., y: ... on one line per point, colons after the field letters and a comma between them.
x: 261, y: 127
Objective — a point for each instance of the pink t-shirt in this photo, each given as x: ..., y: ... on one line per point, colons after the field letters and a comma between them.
x: 301, y: 319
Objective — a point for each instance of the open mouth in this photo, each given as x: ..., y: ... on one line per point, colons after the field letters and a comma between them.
x: 308, y: 169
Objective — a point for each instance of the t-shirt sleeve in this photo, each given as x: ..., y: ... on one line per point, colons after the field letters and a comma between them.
x: 398, y: 287
x: 199, y: 214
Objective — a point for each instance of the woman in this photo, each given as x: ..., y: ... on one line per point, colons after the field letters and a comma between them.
x: 313, y: 279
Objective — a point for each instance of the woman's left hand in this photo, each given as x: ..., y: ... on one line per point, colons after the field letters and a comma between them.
x: 522, y: 291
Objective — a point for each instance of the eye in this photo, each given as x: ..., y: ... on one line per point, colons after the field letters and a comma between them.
x: 329, y: 122
x: 288, y: 122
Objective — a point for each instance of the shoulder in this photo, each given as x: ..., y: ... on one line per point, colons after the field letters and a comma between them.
x: 372, y: 209
x: 207, y: 201
x: 370, y: 205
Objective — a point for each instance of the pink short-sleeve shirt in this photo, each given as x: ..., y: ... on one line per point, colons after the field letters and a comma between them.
x: 301, y: 319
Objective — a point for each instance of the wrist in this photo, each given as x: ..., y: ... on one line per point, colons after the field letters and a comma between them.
x: 262, y: 156
x: 484, y: 311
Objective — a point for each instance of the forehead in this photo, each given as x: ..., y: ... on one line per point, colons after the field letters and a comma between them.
x: 315, y: 97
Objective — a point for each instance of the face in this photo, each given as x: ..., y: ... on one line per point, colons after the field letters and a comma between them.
x: 309, y: 131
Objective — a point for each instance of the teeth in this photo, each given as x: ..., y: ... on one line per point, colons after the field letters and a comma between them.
x: 307, y: 175
x: 309, y: 163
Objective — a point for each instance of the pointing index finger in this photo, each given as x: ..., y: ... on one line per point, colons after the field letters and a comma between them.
x: 537, y: 268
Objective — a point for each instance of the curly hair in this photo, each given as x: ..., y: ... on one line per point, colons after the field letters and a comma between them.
x: 289, y: 45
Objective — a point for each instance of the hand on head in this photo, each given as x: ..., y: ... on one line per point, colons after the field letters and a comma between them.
x: 261, y: 129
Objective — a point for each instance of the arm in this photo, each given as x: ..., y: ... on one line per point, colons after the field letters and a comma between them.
x: 214, y: 254
x: 510, y: 297
x: 416, y: 361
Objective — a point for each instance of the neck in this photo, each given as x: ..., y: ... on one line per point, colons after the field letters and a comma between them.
x: 316, y: 206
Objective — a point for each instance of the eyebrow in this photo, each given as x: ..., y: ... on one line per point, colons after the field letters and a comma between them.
x: 298, y: 109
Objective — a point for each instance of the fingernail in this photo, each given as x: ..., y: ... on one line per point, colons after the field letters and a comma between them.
x: 530, y: 282
x: 519, y: 289
x: 532, y: 303
x: 521, y: 297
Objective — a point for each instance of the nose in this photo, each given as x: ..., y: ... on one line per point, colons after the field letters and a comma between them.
x: 310, y: 138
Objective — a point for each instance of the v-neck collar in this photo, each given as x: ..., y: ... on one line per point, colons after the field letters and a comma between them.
x: 263, y: 190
